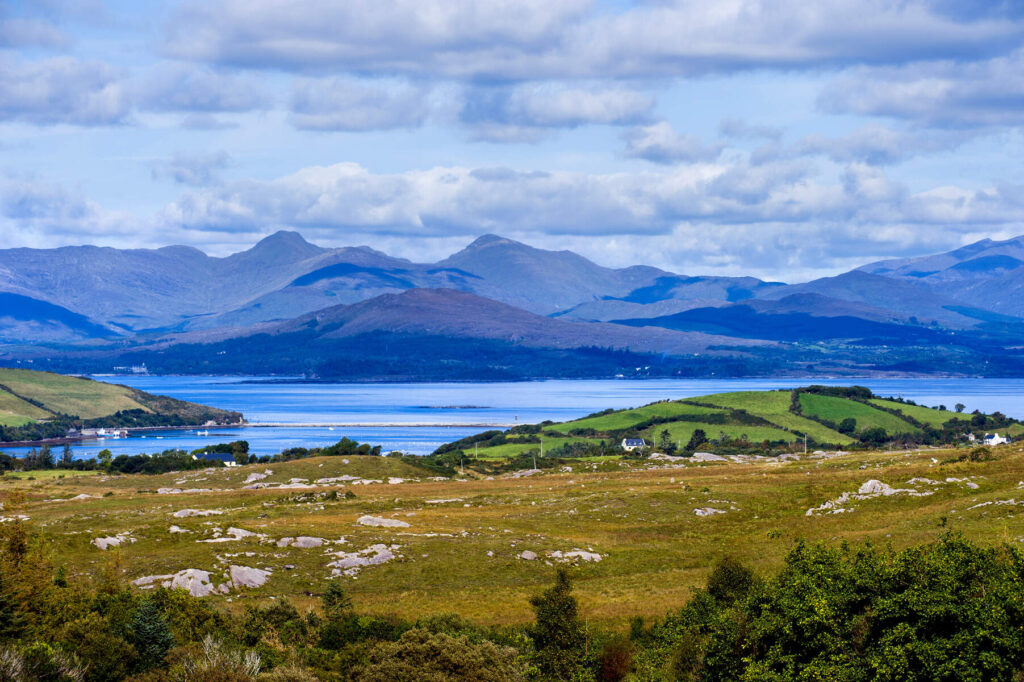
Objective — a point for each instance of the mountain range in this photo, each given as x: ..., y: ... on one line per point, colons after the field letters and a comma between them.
x: 959, y: 312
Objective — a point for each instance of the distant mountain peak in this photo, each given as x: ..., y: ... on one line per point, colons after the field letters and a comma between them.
x: 490, y: 240
x: 283, y: 246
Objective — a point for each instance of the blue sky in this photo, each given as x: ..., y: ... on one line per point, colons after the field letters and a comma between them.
x: 787, y: 140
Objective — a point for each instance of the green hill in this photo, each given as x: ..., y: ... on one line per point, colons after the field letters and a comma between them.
x: 36, y: 405
x: 745, y: 422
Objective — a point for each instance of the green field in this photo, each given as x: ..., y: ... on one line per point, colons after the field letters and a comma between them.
x: 730, y: 414
x: 624, y: 419
x: 837, y: 409
x: 925, y: 415
x: 69, y: 395
x: 513, y: 449
x: 680, y: 432
x: 14, y: 419
x: 774, y: 407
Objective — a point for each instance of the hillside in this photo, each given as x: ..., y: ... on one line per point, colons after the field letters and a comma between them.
x: 743, y: 423
x: 45, y: 405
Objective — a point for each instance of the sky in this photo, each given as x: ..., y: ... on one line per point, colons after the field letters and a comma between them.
x: 783, y: 140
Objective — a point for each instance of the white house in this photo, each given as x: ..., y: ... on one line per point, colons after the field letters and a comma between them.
x: 630, y: 444
x: 995, y: 439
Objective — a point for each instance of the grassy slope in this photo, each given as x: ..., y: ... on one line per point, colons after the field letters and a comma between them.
x: 513, y: 449
x: 925, y: 415
x: 680, y: 432
x: 640, y: 519
x: 69, y: 395
x: 774, y: 406
x: 13, y: 406
x: 627, y: 418
x: 837, y: 409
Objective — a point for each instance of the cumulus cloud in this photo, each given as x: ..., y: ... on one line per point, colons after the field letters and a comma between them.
x: 25, y: 32
x: 62, y: 90
x: 447, y: 201
x: 527, y: 112
x: 878, y: 145
x: 944, y: 93
x: 197, y: 170
x: 523, y: 40
x: 347, y: 104
x: 739, y: 129
x: 39, y: 213
x: 661, y: 143
x: 185, y: 87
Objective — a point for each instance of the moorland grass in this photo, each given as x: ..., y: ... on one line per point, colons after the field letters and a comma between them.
x: 462, y: 555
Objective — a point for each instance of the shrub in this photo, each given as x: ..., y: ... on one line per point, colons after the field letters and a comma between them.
x: 420, y: 656
x: 559, y: 637
x: 217, y: 663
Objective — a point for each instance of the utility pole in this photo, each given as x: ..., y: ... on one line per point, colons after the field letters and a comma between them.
x: 805, y: 443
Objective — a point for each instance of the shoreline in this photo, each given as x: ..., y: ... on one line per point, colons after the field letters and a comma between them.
x: 258, y: 425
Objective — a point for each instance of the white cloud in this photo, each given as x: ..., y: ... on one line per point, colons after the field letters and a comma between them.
x: 62, y: 90
x: 185, y: 87
x: 944, y: 93
x: 660, y: 143
x: 879, y: 145
x: 197, y: 170
x: 348, y: 104
x: 527, y: 112
x: 552, y: 39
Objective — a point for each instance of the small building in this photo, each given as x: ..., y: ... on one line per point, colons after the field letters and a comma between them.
x: 995, y: 439
x: 630, y: 444
x: 225, y: 457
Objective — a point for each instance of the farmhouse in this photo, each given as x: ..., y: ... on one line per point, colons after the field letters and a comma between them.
x: 995, y: 439
x: 630, y: 444
x: 227, y: 458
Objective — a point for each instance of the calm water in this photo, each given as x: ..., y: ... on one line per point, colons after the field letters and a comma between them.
x: 417, y: 418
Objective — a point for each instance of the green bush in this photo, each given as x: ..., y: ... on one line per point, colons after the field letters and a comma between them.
x: 421, y: 656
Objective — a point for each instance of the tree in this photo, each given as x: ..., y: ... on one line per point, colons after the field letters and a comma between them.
x: 848, y: 425
x: 559, y: 637
x: 959, y: 407
x: 105, y: 456
x: 66, y: 456
x: 150, y: 635
x: 665, y: 442
x: 45, y: 457
x: 697, y: 439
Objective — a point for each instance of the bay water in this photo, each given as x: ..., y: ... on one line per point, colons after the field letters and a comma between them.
x: 418, y: 417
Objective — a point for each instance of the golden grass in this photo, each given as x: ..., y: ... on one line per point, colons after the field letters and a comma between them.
x: 640, y: 518
x: 69, y: 395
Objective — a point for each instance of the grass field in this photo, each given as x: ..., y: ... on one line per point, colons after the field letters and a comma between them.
x: 837, y: 409
x: 774, y: 406
x: 925, y: 415
x: 14, y: 406
x: 625, y: 419
x: 513, y: 449
x: 680, y: 432
x: 69, y: 395
x: 14, y: 420
x: 460, y: 550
